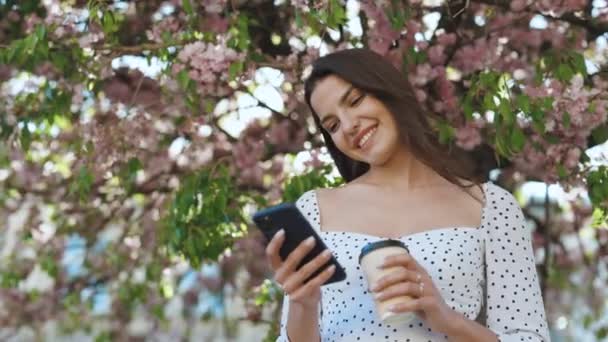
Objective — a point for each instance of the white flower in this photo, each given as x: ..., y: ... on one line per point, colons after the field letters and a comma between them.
x: 15, y: 223
x: 139, y: 275
x: 111, y: 233
x: 38, y: 280
x: 140, y: 325
x: 174, y: 307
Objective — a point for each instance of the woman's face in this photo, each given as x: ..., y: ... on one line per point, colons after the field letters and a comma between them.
x: 360, y: 125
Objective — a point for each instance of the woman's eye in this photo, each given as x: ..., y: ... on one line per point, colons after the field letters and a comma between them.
x: 332, y: 127
x: 357, y: 100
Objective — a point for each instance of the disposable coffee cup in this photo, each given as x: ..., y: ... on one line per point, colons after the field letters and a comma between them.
x: 371, y: 257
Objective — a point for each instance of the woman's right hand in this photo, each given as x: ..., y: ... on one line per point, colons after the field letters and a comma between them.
x: 308, y: 295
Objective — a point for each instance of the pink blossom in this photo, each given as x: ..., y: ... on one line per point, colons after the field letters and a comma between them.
x: 314, y: 162
x: 471, y: 58
x: 423, y: 74
x: 31, y: 21
x: 469, y: 136
x: 447, y: 39
x: 436, y: 54
x: 13, y: 16
x: 215, y: 23
x: 572, y: 158
x: 287, y: 137
x: 421, y: 95
x: 518, y: 5
x: 380, y: 34
x: 214, y: 6
x: 207, y: 64
x: 169, y: 24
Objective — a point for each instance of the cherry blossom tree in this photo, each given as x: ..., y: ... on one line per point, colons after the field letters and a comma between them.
x: 139, y: 136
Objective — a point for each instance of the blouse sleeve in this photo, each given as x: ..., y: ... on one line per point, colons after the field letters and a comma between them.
x: 308, y: 207
x: 514, y: 304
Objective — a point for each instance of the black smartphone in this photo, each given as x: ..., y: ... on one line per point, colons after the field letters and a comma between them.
x: 288, y: 217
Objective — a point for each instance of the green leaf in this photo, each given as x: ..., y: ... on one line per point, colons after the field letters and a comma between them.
x: 561, y: 171
x: 597, y: 184
x: 187, y: 7
x: 299, y: 21
x: 578, y: 62
x: 82, y: 183
x: 564, y: 72
x: 504, y: 109
x: 467, y: 108
x: 109, y: 23
x: 446, y: 132
x: 204, y: 216
x: 547, y: 103
x: 183, y: 79
x: 240, y: 33
x: 128, y: 173
x: 295, y: 186
x: 566, y: 120
x: 336, y: 14
x: 518, y: 139
x: 488, y: 102
x: 523, y: 103
x: 601, y: 333
x: 40, y: 32
x: 235, y: 69
x: 600, y: 134
x: 397, y: 15
x: 49, y: 265
x: 552, y: 139
x: 502, y: 145
x: 26, y: 137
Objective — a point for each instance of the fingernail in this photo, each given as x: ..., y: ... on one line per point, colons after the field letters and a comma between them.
x: 377, y: 295
x: 326, y: 253
x: 374, y: 287
x: 280, y: 233
x: 310, y: 241
x: 392, y: 308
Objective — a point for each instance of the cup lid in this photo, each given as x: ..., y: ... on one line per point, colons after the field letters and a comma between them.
x: 372, y: 246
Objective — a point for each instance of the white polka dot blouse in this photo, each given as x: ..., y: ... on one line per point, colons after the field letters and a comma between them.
x: 486, y: 273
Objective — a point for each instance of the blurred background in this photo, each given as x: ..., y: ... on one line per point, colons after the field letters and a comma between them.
x: 138, y: 137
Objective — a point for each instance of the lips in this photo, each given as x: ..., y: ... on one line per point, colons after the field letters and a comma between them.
x: 361, y: 135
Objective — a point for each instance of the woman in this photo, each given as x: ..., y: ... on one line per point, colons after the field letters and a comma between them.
x: 471, y: 271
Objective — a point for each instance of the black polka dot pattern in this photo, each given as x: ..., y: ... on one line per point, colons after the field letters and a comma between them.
x: 461, y: 261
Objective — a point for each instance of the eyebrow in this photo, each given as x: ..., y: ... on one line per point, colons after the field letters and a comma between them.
x: 342, y: 100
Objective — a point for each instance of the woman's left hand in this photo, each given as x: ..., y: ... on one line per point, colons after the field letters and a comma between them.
x: 411, y: 279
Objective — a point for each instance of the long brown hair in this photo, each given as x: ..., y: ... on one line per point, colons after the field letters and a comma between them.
x: 373, y: 74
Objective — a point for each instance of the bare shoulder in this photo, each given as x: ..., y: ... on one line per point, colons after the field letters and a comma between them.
x: 476, y: 190
x: 467, y: 202
x: 329, y: 195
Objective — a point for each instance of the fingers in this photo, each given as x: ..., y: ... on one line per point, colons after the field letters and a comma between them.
x: 405, y: 260
x: 297, y: 278
x: 410, y: 289
x: 273, y: 248
x: 400, y: 274
x: 294, y: 259
x: 313, y: 284
x: 421, y: 304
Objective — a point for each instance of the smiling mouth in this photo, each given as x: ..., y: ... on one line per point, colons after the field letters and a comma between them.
x: 366, y: 137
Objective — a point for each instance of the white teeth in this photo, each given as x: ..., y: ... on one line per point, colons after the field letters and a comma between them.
x: 366, y: 137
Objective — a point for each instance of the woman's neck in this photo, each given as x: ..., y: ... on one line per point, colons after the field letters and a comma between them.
x: 402, y: 173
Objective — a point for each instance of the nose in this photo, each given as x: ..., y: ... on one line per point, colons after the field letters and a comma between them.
x: 351, y: 126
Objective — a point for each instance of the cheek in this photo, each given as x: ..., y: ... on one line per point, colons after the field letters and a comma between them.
x: 340, y: 142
